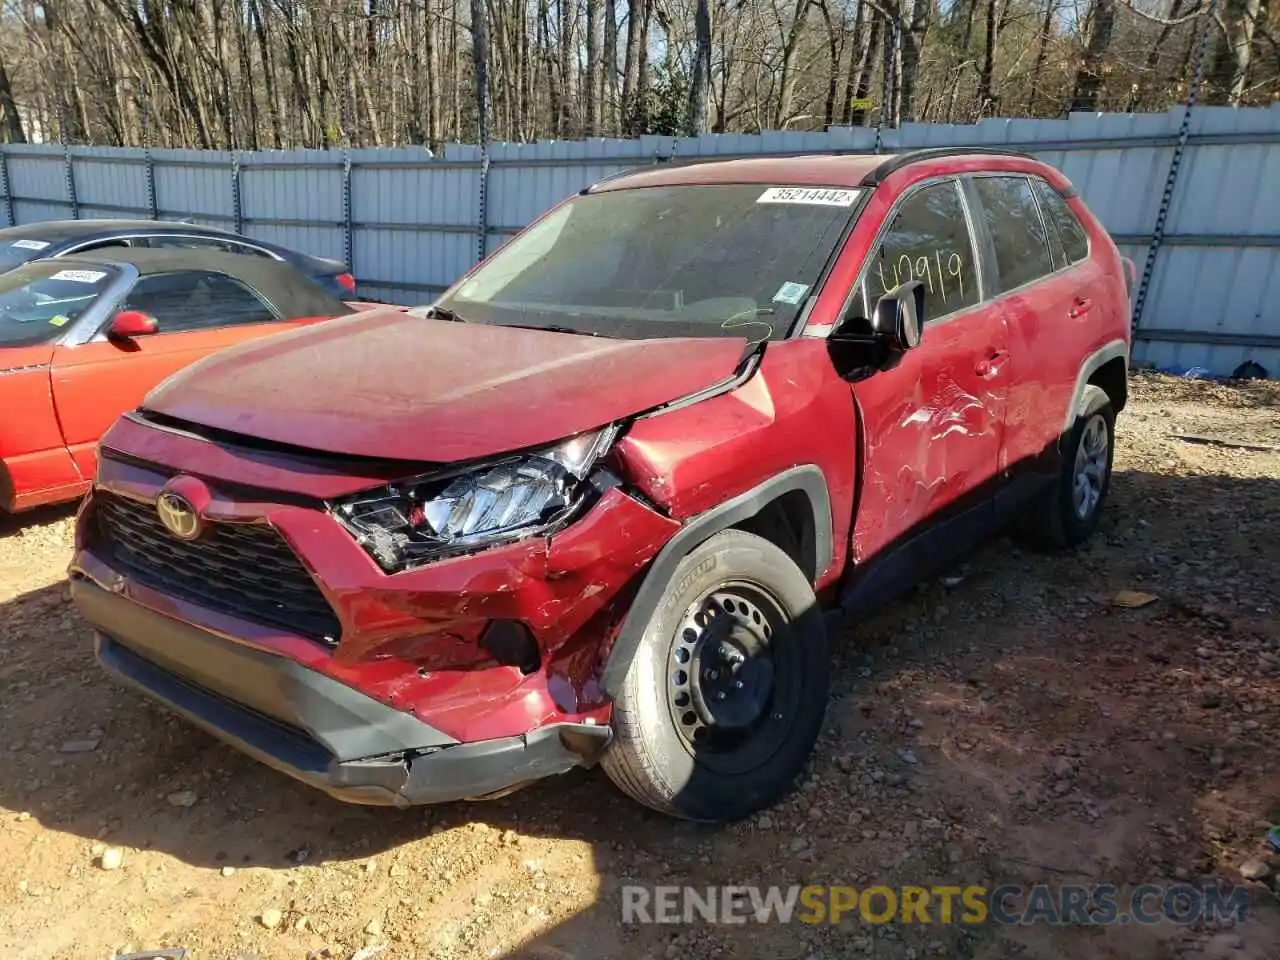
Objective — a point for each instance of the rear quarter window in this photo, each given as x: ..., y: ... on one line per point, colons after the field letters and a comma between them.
x: 1075, y: 241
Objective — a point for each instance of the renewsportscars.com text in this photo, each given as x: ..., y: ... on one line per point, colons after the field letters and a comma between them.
x: 1102, y: 904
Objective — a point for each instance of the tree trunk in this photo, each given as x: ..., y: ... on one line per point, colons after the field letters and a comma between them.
x: 1042, y: 51
x: 591, y: 80
x: 631, y: 65
x: 861, y: 79
x: 915, y: 24
x: 480, y: 64
x: 701, y: 69
x: 268, y: 73
x: 1089, y: 78
x: 986, y: 97
x: 13, y: 132
x: 787, y: 72
x: 1235, y: 55
x: 835, y: 54
x: 609, y: 109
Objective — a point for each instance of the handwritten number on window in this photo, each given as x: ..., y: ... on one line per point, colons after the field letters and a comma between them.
x: 933, y: 273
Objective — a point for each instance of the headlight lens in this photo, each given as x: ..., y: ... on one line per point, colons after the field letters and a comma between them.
x: 428, y: 517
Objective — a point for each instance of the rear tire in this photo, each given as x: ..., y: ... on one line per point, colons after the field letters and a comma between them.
x: 1067, y: 514
x: 725, y: 697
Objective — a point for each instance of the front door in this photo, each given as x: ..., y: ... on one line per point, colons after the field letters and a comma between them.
x: 197, y: 312
x: 932, y: 424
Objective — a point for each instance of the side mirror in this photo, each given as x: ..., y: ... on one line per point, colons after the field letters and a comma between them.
x: 898, y: 314
x: 128, y: 324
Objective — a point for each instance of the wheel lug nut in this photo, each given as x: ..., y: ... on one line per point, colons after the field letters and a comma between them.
x: 714, y: 675
x: 720, y: 695
x: 737, y: 684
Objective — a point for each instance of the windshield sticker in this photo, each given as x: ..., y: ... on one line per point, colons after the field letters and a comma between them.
x: 59, y: 320
x: 820, y: 196
x: 791, y: 293
x: 30, y: 244
x: 79, y: 276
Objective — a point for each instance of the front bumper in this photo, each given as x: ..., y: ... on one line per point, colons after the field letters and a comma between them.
x: 311, y: 726
x: 412, y: 641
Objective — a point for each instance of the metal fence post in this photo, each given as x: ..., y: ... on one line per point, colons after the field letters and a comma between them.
x: 346, y: 211
x: 237, y: 211
x: 482, y: 229
x: 152, y: 205
x: 1175, y: 164
x: 69, y: 174
x: 8, y: 193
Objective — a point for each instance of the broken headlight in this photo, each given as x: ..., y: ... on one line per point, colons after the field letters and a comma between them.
x: 509, y: 499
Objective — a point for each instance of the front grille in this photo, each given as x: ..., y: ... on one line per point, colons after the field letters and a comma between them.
x: 244, y: 569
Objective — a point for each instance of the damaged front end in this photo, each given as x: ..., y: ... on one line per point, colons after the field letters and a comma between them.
x: 427, y: 518
x: 468, y: 610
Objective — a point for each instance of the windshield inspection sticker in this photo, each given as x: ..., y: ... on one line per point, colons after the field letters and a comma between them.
x: 30, y: 244
x: 59, y: 320
x: 821, y: 196
x: 791, y: 293
x: 79, y: 276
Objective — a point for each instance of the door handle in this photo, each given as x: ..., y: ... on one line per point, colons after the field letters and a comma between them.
x: 990, y: 365
x: 1080, y: 307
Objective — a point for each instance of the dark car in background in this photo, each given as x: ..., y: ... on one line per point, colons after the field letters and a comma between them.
x: 57, y: 238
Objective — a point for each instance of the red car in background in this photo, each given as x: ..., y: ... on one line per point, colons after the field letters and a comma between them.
x: 84, y: 337
x: 591, y: 505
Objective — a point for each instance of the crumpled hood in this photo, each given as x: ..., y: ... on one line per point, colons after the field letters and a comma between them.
x: 387, y: 384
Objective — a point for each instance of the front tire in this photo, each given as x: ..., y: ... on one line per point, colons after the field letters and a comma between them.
x: 725, y: 697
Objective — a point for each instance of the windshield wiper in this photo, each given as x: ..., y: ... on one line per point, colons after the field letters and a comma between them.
x: 434, y: 312
x: 550, y: 328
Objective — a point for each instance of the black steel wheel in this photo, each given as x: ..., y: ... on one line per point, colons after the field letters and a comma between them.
x: 725, y: 698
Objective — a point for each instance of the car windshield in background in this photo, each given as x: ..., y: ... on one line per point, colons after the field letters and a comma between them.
x: 39, y: 300
x: 683, y: 261
x: 20, y: 251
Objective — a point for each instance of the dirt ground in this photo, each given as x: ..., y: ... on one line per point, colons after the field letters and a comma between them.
x: 1008, y: 724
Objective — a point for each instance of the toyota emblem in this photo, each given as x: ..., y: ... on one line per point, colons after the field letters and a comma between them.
x: 178, y: 515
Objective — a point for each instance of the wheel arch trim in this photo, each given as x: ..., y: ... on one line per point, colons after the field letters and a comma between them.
x: 806, y: 478
x: 1091, y: 365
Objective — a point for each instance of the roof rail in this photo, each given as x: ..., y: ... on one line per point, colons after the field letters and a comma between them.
x: 658, y: 161
x: 897, y: 161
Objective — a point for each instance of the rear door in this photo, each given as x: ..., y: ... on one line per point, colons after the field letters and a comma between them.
x: 197, y: 312
x: 1045, y: 296
x: 932, y: 424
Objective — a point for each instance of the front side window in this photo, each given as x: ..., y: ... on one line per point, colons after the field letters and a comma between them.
x: 197, y: 300
x: 39, y: 300
x: 927, y: 240
x: 1017, y: 231
x: 693, y: 260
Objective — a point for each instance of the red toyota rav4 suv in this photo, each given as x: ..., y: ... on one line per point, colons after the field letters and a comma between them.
x: 591, y: 505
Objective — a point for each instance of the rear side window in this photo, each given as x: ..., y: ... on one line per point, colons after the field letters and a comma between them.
x: 1008, y: 208
x: 1075, y: 242
x: 171, y: 242
x: 928, y: 241
x: 197, y: 300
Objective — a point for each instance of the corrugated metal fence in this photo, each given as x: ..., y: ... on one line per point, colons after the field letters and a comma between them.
x: 409, y: 222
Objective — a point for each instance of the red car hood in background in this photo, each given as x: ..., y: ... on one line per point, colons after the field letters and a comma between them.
x: 386, y: 384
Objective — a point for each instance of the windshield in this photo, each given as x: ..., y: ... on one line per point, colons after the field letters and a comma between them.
x: 685, y: 261
x: 38, y: 300
x: 20, y: 251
